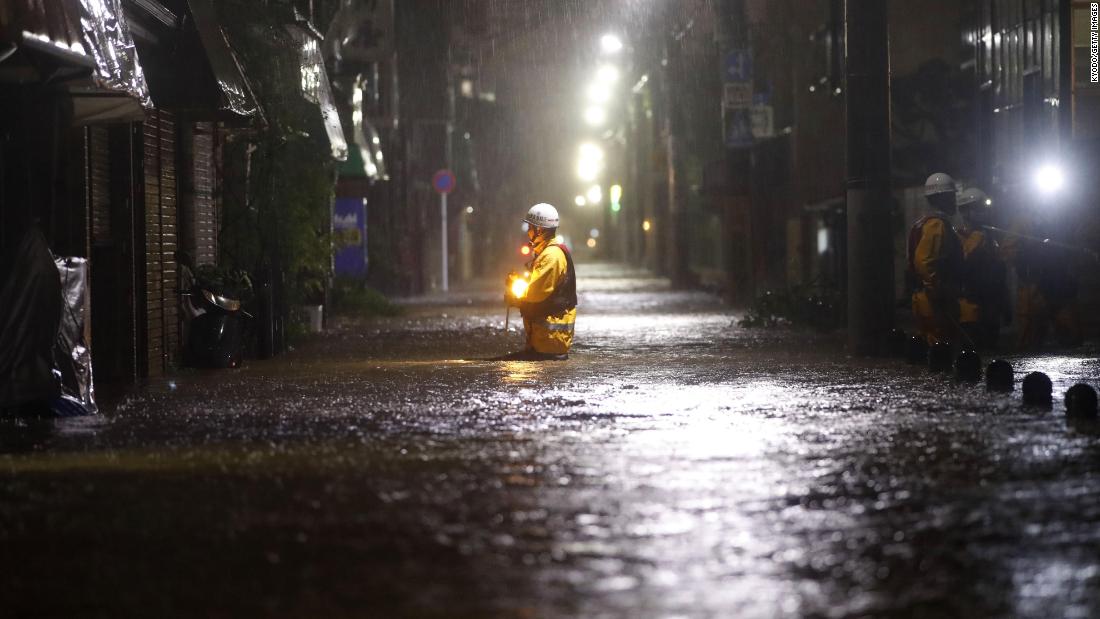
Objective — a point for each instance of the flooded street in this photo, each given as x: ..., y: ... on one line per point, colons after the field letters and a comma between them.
x: 675, y: 466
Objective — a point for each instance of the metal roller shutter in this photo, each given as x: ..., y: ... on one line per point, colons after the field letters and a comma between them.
x: 169, y: 221
x: 159, y: 162
x: 205, y: 231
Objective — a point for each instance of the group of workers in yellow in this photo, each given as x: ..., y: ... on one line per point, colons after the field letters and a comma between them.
x: 959, y: 277
x: 546, y: 294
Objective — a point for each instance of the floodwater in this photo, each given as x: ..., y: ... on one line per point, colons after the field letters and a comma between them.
x: 675, y: 466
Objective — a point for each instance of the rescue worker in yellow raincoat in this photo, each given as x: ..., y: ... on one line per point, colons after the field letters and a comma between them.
x: 549, y: 305
x: 1047, y: 288
x: 984, y: 299
x: 935, y: 264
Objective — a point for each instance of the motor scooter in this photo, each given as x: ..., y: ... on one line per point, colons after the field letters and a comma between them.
x: 214, y: 333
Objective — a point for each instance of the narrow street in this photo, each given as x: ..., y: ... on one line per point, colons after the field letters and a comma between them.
x: 675, y: 465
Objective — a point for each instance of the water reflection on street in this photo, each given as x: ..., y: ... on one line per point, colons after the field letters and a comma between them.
x: 676, y: 465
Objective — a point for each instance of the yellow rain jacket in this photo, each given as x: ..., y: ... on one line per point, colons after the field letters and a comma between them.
x: 935, y: 257
x: 976, y: 254
x: 549, y: 332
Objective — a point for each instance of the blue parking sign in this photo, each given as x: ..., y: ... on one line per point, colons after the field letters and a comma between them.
x: 738, y: 66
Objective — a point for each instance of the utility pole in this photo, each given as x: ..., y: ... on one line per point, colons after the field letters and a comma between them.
x: 870, y: 239
x: 676, y: 229
x: 738, y: 233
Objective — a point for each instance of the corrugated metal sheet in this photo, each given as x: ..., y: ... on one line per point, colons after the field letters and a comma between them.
x: 107, y: 39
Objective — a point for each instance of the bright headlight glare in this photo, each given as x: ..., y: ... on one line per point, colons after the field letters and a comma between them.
x: 1049, y: 179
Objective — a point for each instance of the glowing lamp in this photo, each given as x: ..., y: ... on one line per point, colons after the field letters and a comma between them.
x: 519, y: 288
x: 1049, y: 179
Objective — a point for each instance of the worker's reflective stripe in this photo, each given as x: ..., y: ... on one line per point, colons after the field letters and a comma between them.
x: 552, y: 326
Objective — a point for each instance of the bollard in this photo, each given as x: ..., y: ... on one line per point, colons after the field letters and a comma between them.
x: 1081, y: 401
x: 999, y: 376
x: 939, y: 357
x: 1037, y: 389
x: 898, y: 343
x: 968, y: 367
x: 916, y: 352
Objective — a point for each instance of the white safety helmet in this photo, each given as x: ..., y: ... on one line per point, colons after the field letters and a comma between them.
x: 973, y: 197
x: 542, y: 215
x: 939, y: 183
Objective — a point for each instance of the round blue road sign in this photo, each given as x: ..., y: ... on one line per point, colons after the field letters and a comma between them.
x: 444, y: 181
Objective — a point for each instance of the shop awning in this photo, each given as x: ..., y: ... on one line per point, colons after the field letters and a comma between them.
x: 81, y: 46
x: 235, y: 94
x: 316, y: 87
x: 107, y: 39
x: 117, y: 90
x: 46, y: 36
x: 188, y: 61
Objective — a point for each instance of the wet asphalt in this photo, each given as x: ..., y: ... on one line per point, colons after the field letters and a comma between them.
x: 675, y: 466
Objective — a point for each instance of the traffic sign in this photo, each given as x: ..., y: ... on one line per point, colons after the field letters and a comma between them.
x: 736, y: 94
x: 444, y: 181
x: 737, y: 127
x: 737, y: 66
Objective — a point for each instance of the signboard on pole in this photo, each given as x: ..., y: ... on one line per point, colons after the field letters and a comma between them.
x: 737, y: 99
x: 444, y: 183
x: 763, y: 121
x: 736, y: 94
x: 738, y: 66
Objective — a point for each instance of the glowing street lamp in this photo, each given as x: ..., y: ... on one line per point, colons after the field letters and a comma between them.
x: 590, y: 162
x: 595, y: 116
x: 595, y: 194
x: 615, y: 194
x: 580, y: 201
x: 588, y: 170
x: 1049, y: 179
x: 598, y: 92
x: 607, y: 74
x: 591, y: 152
x: 611, y: 44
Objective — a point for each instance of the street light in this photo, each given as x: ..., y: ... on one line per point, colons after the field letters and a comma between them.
x: 615, y: 194
x: 590, y: 151
x: 580, y: 201
x: 598, y: 92
x: 611, y: 44
x: 588, y: 170
x: 607, y: 74
x: 1049, y: 179
x: 590, y: 162
x: 595, y: 194
x: 595, y: 116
